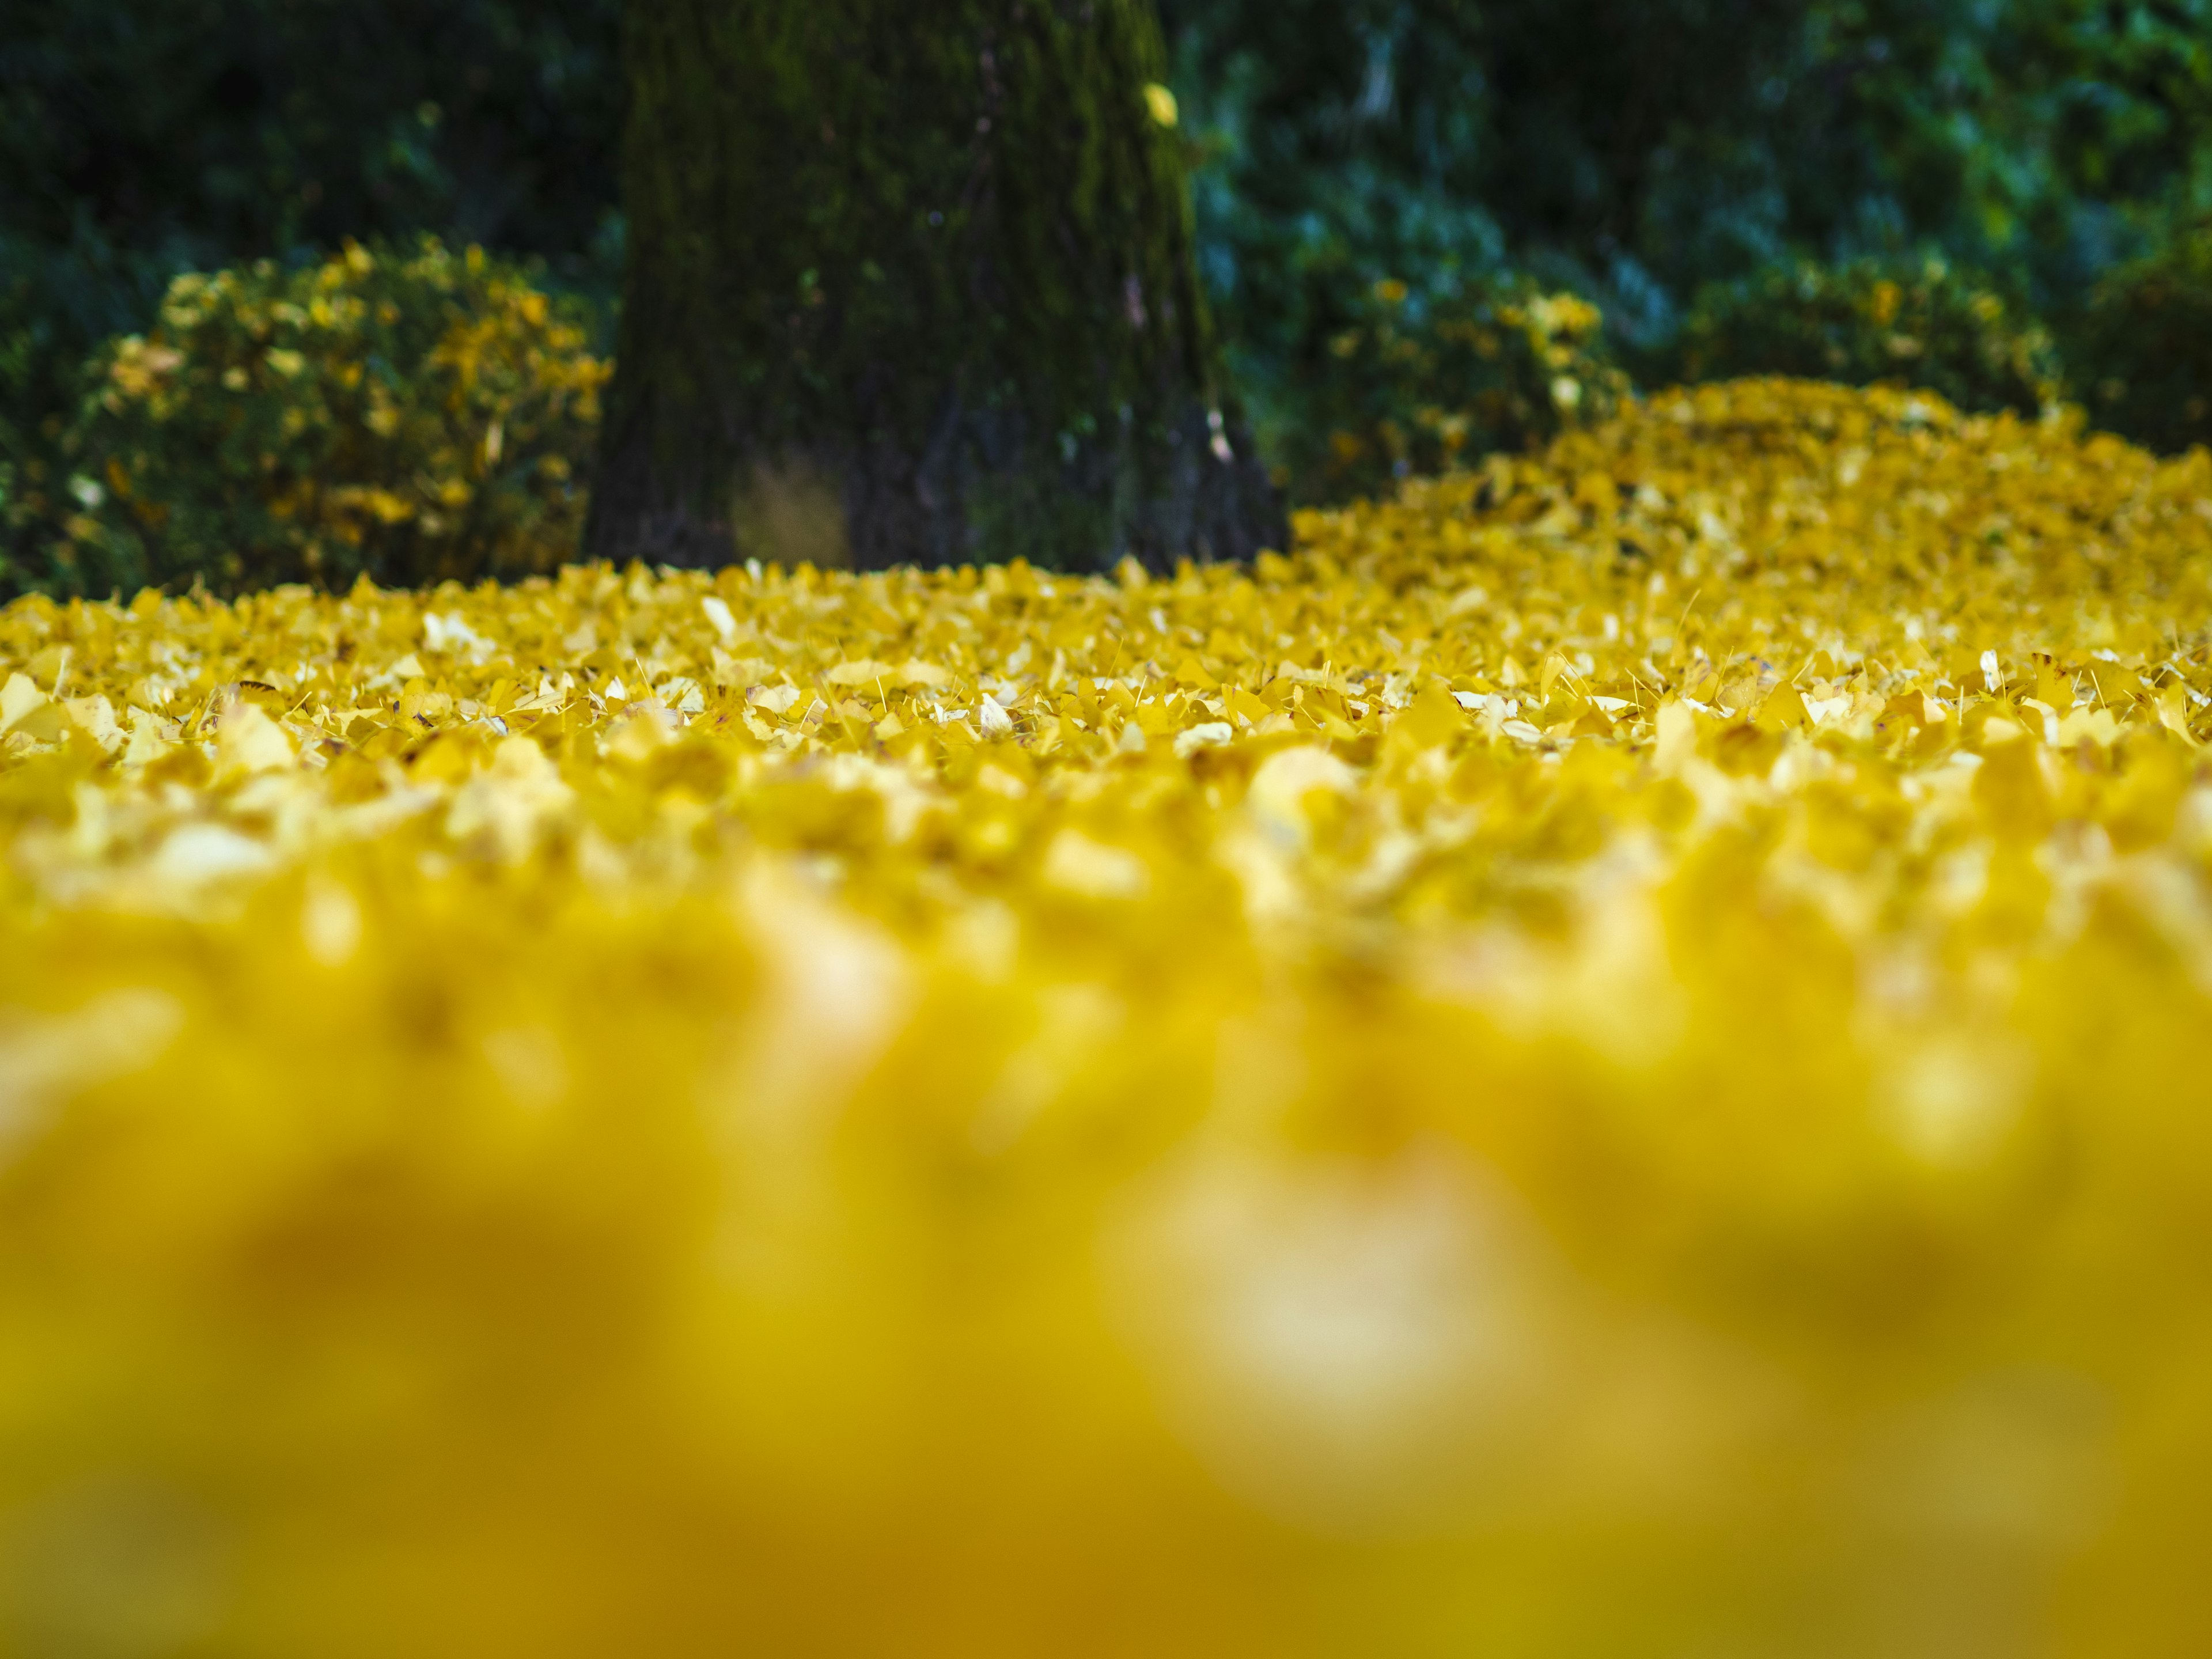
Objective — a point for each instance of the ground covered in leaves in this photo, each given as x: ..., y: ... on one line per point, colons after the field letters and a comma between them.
x: 1608, y: 1056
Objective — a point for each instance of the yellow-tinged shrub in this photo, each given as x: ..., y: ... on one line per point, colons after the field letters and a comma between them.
x: 1918, y: 323
x: 1431, y: 382
x: 1608, y: 1058
x: 406, y: 415
x: 2141, y: 349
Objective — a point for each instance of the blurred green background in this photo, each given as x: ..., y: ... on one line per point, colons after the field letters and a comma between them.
x: 2000, y: 199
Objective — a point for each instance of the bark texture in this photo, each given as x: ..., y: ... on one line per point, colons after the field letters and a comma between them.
x: 911, y: 281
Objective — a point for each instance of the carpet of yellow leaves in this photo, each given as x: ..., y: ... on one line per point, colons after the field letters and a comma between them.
x: 1610, y: 1057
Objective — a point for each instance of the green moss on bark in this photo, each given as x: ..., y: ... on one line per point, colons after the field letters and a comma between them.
x: 931, y: 263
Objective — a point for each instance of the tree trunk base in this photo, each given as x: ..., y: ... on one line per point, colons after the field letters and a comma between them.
x: 978, y: 495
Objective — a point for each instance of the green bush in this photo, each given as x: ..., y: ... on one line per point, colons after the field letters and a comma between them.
x: 1424, y: 384
x: 1922, y: 326
x: 142, y: 138
x: 2142, y: 350
x: 406, y: 416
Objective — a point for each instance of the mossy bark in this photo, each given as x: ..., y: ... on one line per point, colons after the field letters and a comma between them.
x: 914, y: 282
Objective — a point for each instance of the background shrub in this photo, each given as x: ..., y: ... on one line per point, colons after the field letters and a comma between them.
x: 1635, y: 151
x: 1422, y: 383
x: 409, y: 416
x: 1925, y: 325
x: 2142, y: 350
x: 140, y: 139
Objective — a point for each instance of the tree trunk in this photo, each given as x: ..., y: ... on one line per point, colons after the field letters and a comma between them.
x: 911, y: 281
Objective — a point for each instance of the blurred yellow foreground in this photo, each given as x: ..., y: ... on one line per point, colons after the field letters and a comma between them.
x: 1615, y: 1057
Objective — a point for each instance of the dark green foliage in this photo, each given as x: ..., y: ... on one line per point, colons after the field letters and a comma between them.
x: 1922, y: 324
x: 220, y: 126
x: 409, y: 416
x: 1639, y: 152
x: 2144, y: 347
x: 1427, y: 383
x: 1335, y: 146
x: 2048, y: 137
x: 1643, y: 150
x: 922, y: 277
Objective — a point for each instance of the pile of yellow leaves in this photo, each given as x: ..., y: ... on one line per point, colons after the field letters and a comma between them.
x: 1610, y: 1057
